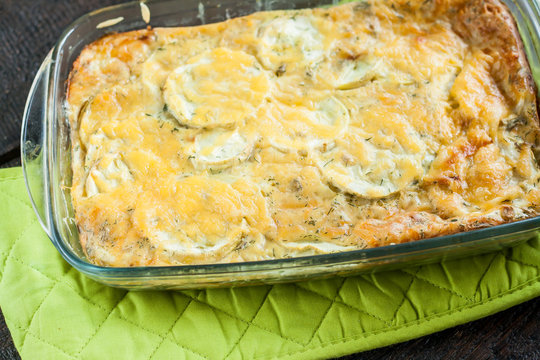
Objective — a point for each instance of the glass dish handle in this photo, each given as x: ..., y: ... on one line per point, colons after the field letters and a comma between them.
x: 34, y: 145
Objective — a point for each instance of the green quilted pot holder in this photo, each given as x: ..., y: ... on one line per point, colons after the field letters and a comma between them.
x: 54, y: 312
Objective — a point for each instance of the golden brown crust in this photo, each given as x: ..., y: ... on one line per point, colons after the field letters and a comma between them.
x: 418, y: 226
x: 127, y: 48
x: 489, y: 26
x: 478, y: 137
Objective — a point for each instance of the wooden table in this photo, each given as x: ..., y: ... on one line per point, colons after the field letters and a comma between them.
x: 29, y: 29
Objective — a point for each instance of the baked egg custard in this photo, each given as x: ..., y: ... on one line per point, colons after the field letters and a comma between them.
x: 302, y: 132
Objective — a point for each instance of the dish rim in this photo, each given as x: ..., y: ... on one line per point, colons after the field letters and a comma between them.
x: 48, y: 72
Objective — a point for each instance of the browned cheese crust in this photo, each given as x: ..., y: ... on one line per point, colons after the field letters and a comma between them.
x: 447, y: 81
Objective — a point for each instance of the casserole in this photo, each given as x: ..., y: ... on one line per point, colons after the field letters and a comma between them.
x: 47, y: 169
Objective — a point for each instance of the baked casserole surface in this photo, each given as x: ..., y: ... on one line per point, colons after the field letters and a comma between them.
x: 301, y: 132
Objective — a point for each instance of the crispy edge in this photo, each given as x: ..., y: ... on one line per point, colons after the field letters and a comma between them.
x: 488, y: 25
x: 484, y: 24
x: 77, y: 152
x: 409, y: 227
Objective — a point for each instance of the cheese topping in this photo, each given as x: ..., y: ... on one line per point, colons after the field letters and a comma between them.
x: 301, y: 132
x: 219, y: 149
x: 290, y: 41
x: 217, y: 88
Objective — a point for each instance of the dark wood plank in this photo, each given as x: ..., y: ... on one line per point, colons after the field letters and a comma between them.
x: 510, y: 334
x: 11, y: 158
x: 11, y: 163
x: 31, y: 27
x: 29, y: 30
x: 7, y: 349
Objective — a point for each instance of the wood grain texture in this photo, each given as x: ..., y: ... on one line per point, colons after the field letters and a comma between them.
x: 11, y: 157
x: 13, y: 162
x: 30, y: 28
x: 7, y: 350
x: 510, y: 334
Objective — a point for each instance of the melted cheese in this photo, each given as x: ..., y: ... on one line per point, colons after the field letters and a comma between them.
x: 217, y: 88
x: 290, y: 42
x: 219, y: 149
x: 291, y: 133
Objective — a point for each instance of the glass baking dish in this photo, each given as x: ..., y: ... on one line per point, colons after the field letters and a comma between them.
x: 45, y: 150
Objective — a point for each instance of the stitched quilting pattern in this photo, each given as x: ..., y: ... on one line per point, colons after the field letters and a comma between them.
x: 54, y: 312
